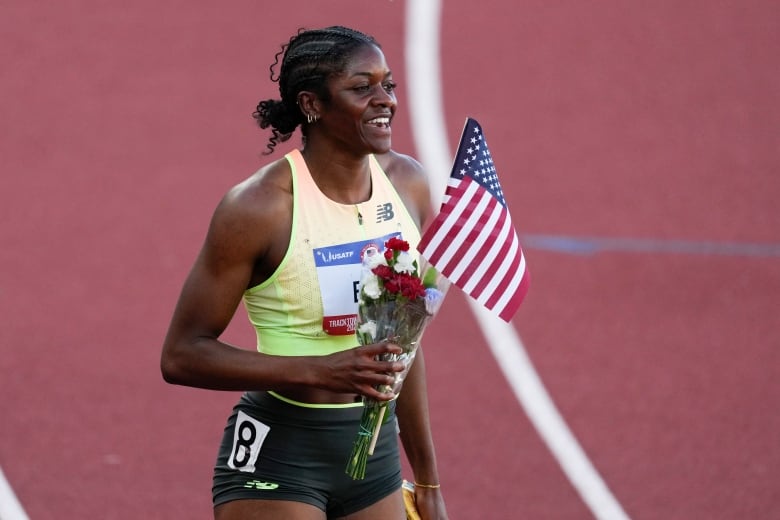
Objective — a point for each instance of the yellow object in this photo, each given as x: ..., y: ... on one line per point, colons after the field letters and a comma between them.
x: 409, y: 502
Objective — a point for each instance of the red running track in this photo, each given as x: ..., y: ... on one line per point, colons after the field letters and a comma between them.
x: 125, y: 122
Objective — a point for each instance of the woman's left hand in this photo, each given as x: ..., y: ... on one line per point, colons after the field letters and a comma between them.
x: 430, y: 503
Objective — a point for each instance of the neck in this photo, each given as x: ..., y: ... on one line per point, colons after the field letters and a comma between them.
x: 344, y: 179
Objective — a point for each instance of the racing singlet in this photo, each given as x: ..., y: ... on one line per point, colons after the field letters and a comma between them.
x: 308, y: 306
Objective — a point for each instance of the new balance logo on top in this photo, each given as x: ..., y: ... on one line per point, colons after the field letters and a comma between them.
x: 384, y: 212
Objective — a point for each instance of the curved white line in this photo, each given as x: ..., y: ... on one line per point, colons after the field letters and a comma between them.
x: 430, y: 136
x: 10, y: 508
x: 426, y: 105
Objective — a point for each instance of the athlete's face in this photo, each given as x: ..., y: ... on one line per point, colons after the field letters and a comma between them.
x: 362, y: 103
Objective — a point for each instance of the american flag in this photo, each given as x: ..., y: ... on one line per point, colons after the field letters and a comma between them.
x: 472, y: 240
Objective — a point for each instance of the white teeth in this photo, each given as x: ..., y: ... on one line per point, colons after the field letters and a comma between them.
x: 380, y: 121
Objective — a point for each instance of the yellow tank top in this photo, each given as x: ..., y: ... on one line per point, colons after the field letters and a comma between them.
x: 308, y: 306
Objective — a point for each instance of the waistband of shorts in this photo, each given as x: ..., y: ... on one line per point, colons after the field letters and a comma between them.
x: 273, y: 402
x: 312, y: 405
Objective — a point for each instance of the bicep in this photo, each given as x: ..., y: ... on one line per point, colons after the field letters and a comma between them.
x: 218, y: 278
x: 209, y: 298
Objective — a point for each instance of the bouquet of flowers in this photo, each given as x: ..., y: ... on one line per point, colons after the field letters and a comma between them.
x: 396, y: 304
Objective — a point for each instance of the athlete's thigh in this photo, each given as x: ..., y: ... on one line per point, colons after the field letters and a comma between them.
x: 389, y: 508
x: 267, y: 510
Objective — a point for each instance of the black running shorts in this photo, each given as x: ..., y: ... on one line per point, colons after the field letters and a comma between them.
x: 275, y: 449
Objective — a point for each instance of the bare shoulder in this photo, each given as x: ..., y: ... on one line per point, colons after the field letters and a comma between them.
x: 255, y: 213
x: 259, y: 196
x: 405, y: 172
x: 410, y: 181
x: 398, y: 164
x: 268, y: 180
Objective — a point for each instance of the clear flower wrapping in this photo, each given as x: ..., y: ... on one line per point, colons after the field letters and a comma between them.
x: 396, y: 304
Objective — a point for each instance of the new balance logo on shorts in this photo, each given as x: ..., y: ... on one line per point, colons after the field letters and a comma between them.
x: 259, y: 484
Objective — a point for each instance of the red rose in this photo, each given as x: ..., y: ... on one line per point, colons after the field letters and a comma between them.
x: 383, y: 271
x: 409, y: 286
x: 392, y: 286
x: 396, y: 244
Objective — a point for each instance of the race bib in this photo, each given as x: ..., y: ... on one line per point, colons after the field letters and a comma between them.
x: 339, y: 269
x: 248, y: 437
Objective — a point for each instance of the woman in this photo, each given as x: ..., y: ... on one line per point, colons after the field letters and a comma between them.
x: 286, y: 445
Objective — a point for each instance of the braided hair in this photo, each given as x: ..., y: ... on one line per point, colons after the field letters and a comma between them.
x: 307, y: 61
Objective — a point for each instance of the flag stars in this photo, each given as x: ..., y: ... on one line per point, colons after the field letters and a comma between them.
x: 476, y: 161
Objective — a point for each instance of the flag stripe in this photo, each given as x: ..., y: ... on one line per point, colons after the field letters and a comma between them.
x: 507, y: 280
x: 497, y: 284
x: 452, y: 184
x: 513, y: 303
x: 465, y: 225
x: 483, y: 266
x: 450, y: 215
x: 433, y: 234
x: 479, y: 247
x: 467, y: 237
x: 437, y: 232
x: 483, y: 272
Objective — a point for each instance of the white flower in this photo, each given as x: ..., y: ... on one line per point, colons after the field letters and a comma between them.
x: 404, y: 263
x: 372, y: 288
x: 369, y: 328
x: 373, y: 260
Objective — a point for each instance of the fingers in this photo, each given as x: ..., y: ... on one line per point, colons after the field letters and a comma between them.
x: 381, y: 357
x: 373, y: 393
x: 377, y: 376
x: 369, y: 370
x: 383, y: 347
x: 380, y: 377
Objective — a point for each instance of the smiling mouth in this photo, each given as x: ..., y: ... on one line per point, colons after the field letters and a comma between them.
x: 379, y: 122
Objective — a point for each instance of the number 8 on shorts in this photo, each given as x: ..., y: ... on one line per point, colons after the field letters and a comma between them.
x: 248, y: 437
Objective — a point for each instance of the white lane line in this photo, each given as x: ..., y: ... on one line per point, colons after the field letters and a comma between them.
x: 10, y: 508
x: 429, y: 129
x: 426, y: 106
x: 530, y: 391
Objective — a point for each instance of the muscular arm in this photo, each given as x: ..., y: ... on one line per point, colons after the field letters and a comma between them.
x: 192, y: 353
x: 414, y: 423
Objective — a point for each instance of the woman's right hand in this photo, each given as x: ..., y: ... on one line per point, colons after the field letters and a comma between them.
x: 358, y: 370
